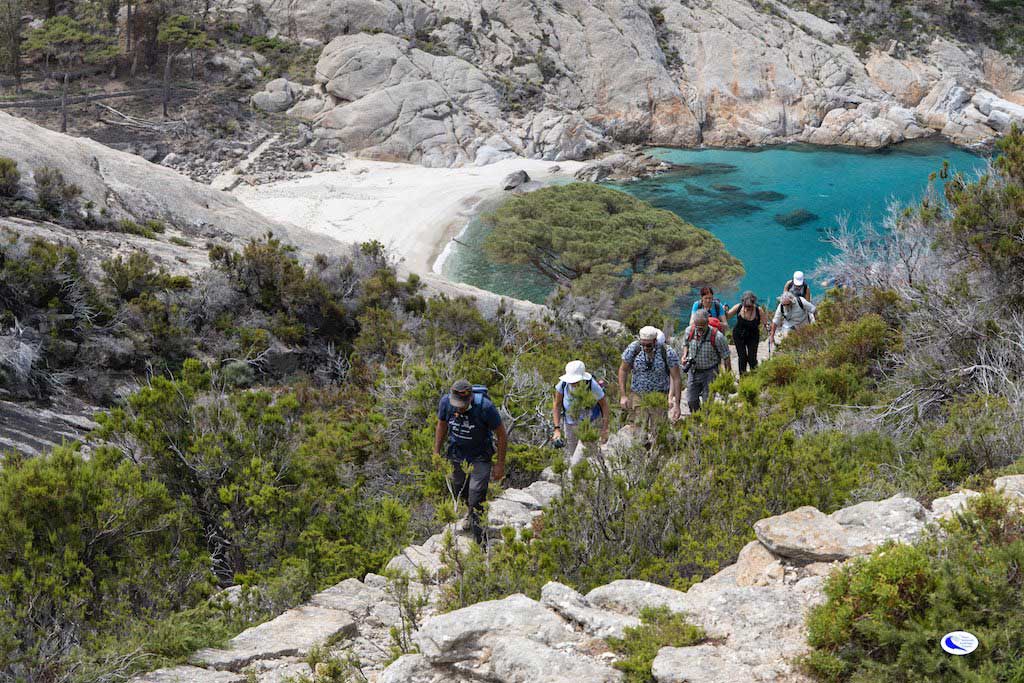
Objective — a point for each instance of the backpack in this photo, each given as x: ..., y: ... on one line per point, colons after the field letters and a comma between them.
x: 479, y: 394
x: 595, y: 412
x: 797, y: 290
x: 714, y: 330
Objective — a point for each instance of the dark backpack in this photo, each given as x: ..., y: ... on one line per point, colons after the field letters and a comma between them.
x: 797, y: 290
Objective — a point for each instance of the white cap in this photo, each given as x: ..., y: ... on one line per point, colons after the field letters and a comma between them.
x: 661, y: 337
x: 798, y: 278
x: 575, y: 371
x: 649, y: 333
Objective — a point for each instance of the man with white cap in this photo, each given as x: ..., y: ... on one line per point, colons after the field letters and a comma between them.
x: 798, y: 286
x: 793, y: 312
x: 654, y: 367
x: 573, y: 387
x: 466, y: 417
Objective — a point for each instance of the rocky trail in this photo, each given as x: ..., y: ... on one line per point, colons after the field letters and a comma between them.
x: 753, y: 611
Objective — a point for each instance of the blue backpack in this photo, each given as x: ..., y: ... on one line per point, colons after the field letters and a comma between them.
x: 479, y: 394
x: 595, y: 412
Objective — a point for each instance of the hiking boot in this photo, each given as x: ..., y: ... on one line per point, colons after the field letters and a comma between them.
x: 463, y: 525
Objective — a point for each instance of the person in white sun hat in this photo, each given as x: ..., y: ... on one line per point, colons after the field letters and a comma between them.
x: 572, y: 405
x: 798, y: 287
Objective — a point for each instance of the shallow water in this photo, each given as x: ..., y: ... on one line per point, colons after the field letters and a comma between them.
x: 770, y: 207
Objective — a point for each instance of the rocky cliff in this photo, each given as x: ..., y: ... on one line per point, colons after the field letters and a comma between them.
x: 446, y: 83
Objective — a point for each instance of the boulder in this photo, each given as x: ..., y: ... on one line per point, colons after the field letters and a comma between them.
x: 514, y: 180
x: 756, y: 565
x: 507, y: 513
x: 574, y: 607
x: 351, y: 596
x: 400, y: 103
x: 628, y: 596
x: 543, y: 491
x: 1011, y: 486
x: 700, y: 664
x: 804, y: 534
x: 516, y: 659
x: 457, y: 636
x: 188, y: 674
x: 522, y: 498
x: 417, y: 669
x: 272, y: 102
x: 948, y: 506
x: 870, y: 524
x: 293, y: 633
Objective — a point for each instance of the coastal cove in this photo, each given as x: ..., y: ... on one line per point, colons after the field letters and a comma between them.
x: 771, y: 207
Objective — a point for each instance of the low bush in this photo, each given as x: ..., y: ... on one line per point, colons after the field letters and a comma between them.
x: 885, y: 615
x: 10, y: 178
x: 660, y: 627
x: 55, y: 195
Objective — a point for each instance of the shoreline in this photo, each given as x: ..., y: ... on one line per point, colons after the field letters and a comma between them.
x: 413, y: 210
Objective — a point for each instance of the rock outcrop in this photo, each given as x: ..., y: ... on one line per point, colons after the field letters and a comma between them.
x: 121, y: 186
x: 753, y: 611
x: 443, y: 83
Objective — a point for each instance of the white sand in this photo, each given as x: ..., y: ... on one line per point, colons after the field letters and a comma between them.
x: 412, y: 210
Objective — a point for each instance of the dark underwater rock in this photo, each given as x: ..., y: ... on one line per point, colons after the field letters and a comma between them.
x: 795, y: 218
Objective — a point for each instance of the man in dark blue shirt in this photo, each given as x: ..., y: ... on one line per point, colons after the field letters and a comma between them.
x: 467, y: 421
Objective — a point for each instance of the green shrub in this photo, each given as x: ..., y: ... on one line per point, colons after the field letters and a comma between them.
x: 660, y: 628
x: 10, y: 178
x: 87, y: 544
x: 55, y: 195
x: 139, y: 274
x: 885, y: 614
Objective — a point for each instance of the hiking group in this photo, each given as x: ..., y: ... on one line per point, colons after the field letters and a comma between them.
x: 651, y: 370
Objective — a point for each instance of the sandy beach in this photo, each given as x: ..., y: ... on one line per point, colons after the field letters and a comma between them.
x: 414, y: 211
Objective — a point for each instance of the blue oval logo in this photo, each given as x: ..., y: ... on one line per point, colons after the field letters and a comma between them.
x: 959, y: 643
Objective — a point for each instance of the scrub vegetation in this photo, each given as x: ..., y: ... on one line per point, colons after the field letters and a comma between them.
x: 269, y: 424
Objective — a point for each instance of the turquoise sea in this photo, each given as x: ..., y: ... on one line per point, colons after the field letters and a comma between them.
x: 770, y: 207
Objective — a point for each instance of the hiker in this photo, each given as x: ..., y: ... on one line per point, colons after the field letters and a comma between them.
x: 709, y: 304
x: 576, y: 379
x: 654, y: 367
x: 466, y: 417
x: 798, y: 287
x: 706, y: 348
x: 746, y: 334
x: 793, y: 312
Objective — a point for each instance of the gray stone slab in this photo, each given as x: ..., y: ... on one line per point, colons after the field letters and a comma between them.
x: 293, y: 633
x: 188, y: 674
x: 543, y: 491
x: 351, y: 595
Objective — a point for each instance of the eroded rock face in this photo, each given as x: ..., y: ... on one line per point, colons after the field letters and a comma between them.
x: 474, y: 82
x: 125, y: 186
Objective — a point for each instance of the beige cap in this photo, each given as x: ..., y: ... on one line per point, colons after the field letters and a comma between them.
x: 649, y: 333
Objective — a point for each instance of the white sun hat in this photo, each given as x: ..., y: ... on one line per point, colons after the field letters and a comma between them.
x: 798, y: 278
x: 575, y: 371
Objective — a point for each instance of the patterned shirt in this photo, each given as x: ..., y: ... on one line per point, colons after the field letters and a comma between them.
x: 649, y: 372
x: 706, y: 353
